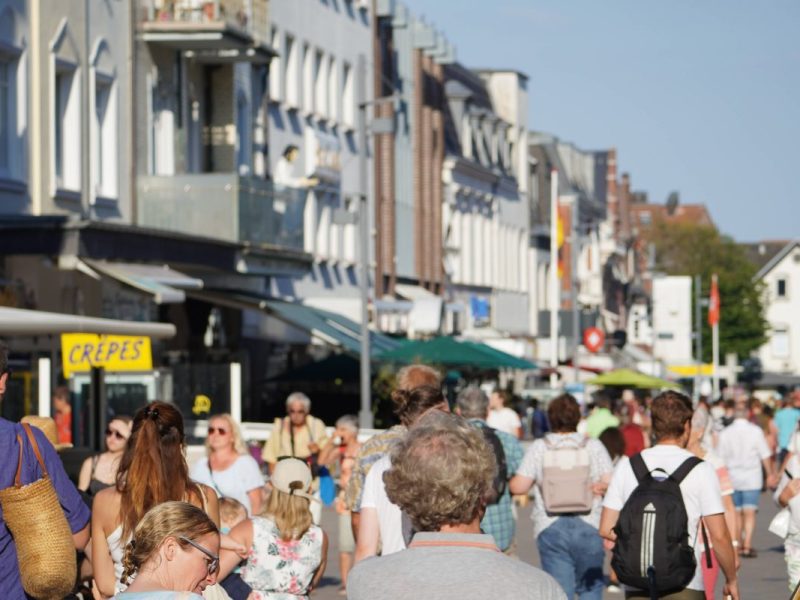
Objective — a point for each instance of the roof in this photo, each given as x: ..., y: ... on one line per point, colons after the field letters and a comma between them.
x: 684, y: 213
x: 776, y: 259
x: 760, y: 253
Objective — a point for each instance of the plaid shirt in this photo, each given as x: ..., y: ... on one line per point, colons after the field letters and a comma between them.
x: 499, y: 518
x: 371, y: 452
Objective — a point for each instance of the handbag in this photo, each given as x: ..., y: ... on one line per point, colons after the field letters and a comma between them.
x: 780, y: 523
x: 45, y: 549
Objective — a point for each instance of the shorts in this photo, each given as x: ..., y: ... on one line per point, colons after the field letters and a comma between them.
x: 746, y: 499
x: 346, y: 541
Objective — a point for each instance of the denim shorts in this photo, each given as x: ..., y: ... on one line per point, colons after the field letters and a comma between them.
x: 746, y: 499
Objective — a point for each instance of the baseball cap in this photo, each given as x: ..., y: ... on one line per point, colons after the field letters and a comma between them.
x: 292, y: 476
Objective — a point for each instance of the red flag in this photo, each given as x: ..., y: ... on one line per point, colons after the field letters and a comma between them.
x: 713, y: 303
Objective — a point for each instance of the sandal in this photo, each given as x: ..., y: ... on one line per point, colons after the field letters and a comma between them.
x: 748, y: 553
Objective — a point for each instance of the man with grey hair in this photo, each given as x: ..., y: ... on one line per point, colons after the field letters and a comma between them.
x: 441, y: 478
x: 473, y: 405
x: 743, y: 448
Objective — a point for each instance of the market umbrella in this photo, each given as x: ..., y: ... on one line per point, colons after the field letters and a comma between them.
x: 446, y: 350
x: 633, y: 379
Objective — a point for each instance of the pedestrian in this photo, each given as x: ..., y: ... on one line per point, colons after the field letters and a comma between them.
x: 286, y: 552
x: 786, y: 421
x: 441, y: 478
x: 788, y: 495
x: 601, y: 417
x: 568, y: 473
x: 173, y: 553
x: 228, y: 467
x: 671, y: 414
x: 498, y: 521
x: 73, y: 506
x: 62, y: 409
x: 299, y: 435
x: 379, y: 444
x: 100, y: 471
x: 539, y: 423
x: 501, y: 417
x: 342, y: 451
x: 743, y: 448
x: 152, y: 470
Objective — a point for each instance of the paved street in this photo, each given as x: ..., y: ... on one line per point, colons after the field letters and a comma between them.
x: 762, y: 577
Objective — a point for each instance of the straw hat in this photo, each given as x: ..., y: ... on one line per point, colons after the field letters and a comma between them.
x: 47, y: 426
x: 292, y: 476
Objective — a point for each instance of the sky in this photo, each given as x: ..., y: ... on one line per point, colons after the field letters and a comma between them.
x: 697, y: 96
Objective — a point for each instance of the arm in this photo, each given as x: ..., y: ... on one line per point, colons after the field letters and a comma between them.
x: 102, y: 521
x: 85, y: 476
x: 228, y: 559
x: 81, y: 538
x: 769, y: 469
x: 608, y: 520
x: 723, y: 548
x: 256, y: 499
x: 323, y: 563
x: 520, y: 484
x: 355, y: 522
x: 518, y: 432
x: 730, y: 515
x: 368, y: 534
x: 328, y: 454
x: 209, y: 502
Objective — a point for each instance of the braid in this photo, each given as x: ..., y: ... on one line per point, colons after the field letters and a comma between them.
x: 130, y: 562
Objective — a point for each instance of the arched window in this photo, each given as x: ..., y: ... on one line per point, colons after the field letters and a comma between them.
x: 104, y: 125
x: 65, y: 132
x: 12, y: 97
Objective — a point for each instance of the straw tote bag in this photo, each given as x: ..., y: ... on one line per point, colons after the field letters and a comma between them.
x: 45, y: 549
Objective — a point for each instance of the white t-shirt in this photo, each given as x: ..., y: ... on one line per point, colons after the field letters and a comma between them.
x: 390, y: 517
x: 234, y: 482
x: 700, y: 490
x: 742, y: 446
x: 504, y: 419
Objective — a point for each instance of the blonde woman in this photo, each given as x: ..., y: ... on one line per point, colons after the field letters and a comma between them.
x: 228, y: 467
x: 287, y: 553
x: 174, y: 554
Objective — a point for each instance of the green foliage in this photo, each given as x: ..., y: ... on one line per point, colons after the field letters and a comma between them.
x: 689, y: 249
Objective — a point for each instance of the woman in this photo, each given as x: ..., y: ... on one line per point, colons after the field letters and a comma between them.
x: 100, y: 471
x: 152, y: 470
x: 229, y: 468
x: 788, y: 495
x: 174, y: 549
x: 287, y: 552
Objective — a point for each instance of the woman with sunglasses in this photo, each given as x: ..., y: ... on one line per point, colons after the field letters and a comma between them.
x: 174, y: 554
x: 228, y: 467
x: 100, y: 471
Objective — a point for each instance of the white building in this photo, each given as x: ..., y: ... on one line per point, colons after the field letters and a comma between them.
x: 781, y: 279
x: 672, y: 320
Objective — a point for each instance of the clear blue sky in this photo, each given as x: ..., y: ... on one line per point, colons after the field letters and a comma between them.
x: 699, y: 96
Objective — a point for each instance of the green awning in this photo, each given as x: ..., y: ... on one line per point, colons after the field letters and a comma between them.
x: 445, y: 350
x: 632, y: 379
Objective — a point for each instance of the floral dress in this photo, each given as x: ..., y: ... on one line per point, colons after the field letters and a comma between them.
x: 279, y: 569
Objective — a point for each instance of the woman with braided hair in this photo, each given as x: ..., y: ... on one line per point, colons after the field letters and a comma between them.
x: 152, y: 470
x: 174, y: 553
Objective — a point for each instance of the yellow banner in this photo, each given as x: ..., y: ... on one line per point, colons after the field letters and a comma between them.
x: 82, y: 351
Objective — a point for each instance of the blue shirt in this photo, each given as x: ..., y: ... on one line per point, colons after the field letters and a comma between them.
x: 786, y: 422
x: 75, y: 509
x: 499, y: 518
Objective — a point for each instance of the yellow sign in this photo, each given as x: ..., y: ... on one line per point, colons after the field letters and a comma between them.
x: 692, y: 370
x: 82, y: 351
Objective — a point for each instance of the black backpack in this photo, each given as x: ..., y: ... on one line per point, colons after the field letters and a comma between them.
x: 652, y: 550
x: 501, y: 479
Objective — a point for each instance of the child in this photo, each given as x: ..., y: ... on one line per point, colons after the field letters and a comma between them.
x: 231, y: 513
x: 287, y: 553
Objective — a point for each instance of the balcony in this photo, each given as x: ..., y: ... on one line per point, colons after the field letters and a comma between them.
x: 212, y: 31
x: 223, y: 206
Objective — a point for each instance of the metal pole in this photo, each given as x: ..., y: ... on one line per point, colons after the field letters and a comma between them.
x: 573, y: 262
x: 555, y: 291
x: 715, y: 340
x: 698, y: 337
x: 365, y: 415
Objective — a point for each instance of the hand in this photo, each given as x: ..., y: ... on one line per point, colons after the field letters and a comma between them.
x: 599, y: 488
x: 226, y: 542
x: 790, y: 491
x: 772, y: 481
x: 313, y: 447
x: 608, y: 544
x: 730, y: 591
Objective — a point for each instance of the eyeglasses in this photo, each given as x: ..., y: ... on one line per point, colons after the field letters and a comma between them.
x: 213, y: 563
x: 116, y: 434
x: 297, y: 411
x: 219, y: 430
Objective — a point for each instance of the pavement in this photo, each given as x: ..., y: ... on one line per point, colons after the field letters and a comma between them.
x: 763, y: 577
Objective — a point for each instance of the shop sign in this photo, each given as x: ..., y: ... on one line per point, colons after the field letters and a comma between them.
x: 82, y: 351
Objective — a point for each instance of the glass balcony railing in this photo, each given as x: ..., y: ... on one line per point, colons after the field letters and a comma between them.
x: 223, y: 206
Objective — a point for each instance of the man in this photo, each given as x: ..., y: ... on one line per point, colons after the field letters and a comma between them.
x: 378, y: 445
x: 786, y: 422
x: 601, y: 417
x: 300, y: 435
x: 503, y: 418
x: 63, y: 414
x: 744, y: 450
x: 441, y: 477
x: 498, y: 521
x: 671, y: 414
x: 75, y: 510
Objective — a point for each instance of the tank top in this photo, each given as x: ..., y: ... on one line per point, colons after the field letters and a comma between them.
x: 95, y: 485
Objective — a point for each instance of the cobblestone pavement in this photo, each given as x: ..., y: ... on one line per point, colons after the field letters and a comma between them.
x: 763, y: 577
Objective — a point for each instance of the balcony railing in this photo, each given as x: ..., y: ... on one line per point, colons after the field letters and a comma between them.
x: 223, y: 206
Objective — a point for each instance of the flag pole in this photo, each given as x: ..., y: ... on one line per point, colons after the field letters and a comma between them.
x: 555, y: 291
x: 714, y: 318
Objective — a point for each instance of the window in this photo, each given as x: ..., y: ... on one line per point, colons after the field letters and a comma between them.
x: 6, y: 116
x: 276, y: 69
x: 645, y: 218
x: 348, y: 97
x: 780, y: 342
x: 333, y: 90
x: 292, y: 79
x: 781, y: 289
x: 66, y: 129
x: 308, y: 78
x: 104, y: 173
x: 320, y: 85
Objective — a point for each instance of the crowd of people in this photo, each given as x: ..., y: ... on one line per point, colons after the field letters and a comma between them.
x: 427, y: 507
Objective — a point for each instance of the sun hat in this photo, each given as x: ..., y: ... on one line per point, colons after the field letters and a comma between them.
x: 292, y: 476
x: 48, y: 427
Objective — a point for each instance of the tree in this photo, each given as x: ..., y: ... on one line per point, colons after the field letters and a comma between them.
x: 690, y: 249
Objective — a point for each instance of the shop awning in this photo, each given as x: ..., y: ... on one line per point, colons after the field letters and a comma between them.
x: 328, y: 327
x: 446, y: 350
x: 17, y: 321
x: 165, y: 284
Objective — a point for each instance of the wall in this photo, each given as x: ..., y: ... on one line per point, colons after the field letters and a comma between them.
x: 782, y: 355
x: 672, y: 319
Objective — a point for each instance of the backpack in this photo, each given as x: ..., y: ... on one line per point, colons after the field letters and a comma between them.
x: 501, y: 478
x: 567, y: 479
x: 652, y: 551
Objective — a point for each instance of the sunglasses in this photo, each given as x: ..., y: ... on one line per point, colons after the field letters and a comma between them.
x: 213, y: 563
x: 116, y: 434
x: 219, y: 430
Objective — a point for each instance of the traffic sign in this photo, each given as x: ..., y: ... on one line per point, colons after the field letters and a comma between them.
x: 593, y: 339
